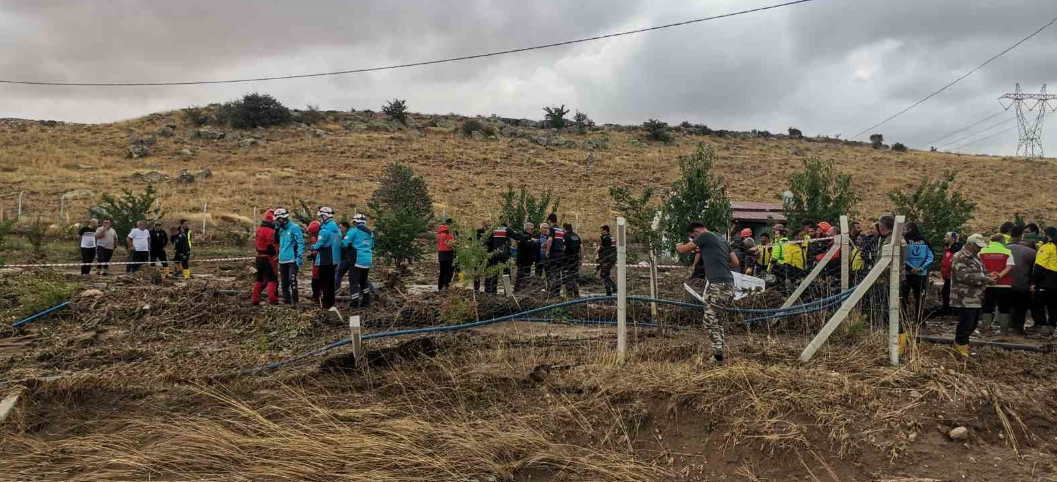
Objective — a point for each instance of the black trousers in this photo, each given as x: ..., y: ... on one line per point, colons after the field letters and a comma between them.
x: 999, y: 297
x: 915, y: 285
x: 523, y: 277
x: 326, y: 285
x: 359, y: 288
x: 137, y: 257
x: 968, y: 318
x: 447, y: 273
x: 1044, y: 306
x: 182, y: 259
x: 1021, y: 303
x: 87, y: 256
x: 288, y: 276
x: 571, y: 276
x: 159, y: 255
x: 606, y: 271
x: 103, y: 256
x: 265, y: 270
x: 555, y: 272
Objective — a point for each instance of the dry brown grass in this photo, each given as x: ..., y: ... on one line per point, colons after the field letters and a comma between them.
x: 466, y: 176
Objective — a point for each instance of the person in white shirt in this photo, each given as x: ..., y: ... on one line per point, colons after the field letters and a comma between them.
x: 138, y: 245
x: 105, y: 242
x: 87, y: 235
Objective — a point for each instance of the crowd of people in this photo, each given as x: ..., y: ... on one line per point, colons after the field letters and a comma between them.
x: 144, y: 246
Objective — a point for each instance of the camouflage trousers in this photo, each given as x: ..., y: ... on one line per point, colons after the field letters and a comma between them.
x: 717, y: 297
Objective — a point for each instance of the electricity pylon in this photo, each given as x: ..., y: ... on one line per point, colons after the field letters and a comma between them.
x: 1030, y: 144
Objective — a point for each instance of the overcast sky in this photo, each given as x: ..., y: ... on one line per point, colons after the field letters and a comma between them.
x: 827, y: 67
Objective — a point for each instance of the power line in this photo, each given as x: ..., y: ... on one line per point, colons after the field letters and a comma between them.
x: 984, y: 139
x: 959, y: 79
x: 981, y: 121
x: 404, y: 66
x: 975, y: 133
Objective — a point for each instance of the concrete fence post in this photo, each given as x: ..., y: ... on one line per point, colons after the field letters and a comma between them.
x: 895, y: 272
x: 622, y: 290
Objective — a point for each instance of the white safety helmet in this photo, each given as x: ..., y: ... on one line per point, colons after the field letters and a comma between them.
x: 326, y: 212
x: 359, y: 219
x: 281, y: 213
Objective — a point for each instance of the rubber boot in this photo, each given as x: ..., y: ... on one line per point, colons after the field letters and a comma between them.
x: 1003, y: 320
x: 166, y: 272
x: 273, y: 293
x: 903, y: 339
x: 986, y: 320
x: 962, y: 350
x: 315, y: 289
x: 187, y: 273
x: 365, y: 300
x: 256, y: 298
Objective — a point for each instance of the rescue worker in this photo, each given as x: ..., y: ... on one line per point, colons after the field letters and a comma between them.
x: 1020, y: 296
x: 328, y: 254
x: 969, y: 279
x: 573, y: 253
x: 555, y: 263
x: 159, y: 239
x: 749, y: 252
x: 999, y: 261
x: 348, y: 256
x: 499, y: 254
x: 763, y: 255
x: 313, y: 236
x: 445, y: 255
x: 1044, y: 284
x: 607, y: 258
x: 291, y: 254
x: 778, y: 266
x: 527, y: 254
x: 266, y: 261
x: 795, y: 257
x: 181, y: 242
x: 719, y: 293
x: 918, y: 262
x: 360, y: 238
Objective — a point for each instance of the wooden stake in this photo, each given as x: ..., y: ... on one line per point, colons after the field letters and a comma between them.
x: 896, y: 269
x: 622, y: 290
x: 357, y: 339
x: 653, y: 285
x: 845, y: 309
x: 845, y: 254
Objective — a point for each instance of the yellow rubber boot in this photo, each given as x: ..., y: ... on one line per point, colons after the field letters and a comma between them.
x: 962, y: 350
x: 166, y: 271
x: 903, y: 343
x: 187, y: 273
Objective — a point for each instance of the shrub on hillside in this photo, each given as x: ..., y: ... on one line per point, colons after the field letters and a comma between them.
x: 196, y: 116
x: 555, y: 117
x: 396, y: 109
x: 312, y: 115
x: 899, y: 147
x: 255, y: 110
x: 698, y: 194
x: 657, y: 130
x: 582, y: 122
x: 400, y: 189
x: 467, y: 128
x: 518, y: 207
x: 795, y: 133
x: 877, y: 140
x: 686, y: 125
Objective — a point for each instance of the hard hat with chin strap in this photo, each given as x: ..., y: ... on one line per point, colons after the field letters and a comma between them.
x: 326, y: 212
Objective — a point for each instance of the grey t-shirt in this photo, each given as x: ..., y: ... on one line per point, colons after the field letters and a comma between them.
x: 715, y: 258
x: 1024, y: 260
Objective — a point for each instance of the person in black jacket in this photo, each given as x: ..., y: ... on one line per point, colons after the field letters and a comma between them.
x: 499, y: 247
x: 571, y: 270
x: 555, y: 263
x: 181, y: 241
x: 607, y: 258
x: 159, y: 239
x: 528, y: 251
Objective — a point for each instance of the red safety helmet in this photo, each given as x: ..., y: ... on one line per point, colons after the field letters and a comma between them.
x: 746, y: 233
x: 313, y: 228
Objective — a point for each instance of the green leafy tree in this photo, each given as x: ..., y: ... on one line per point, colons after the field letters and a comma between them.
x: 899, y: 147
x: 517, y: 207
x: 877, y: 141
x: 936, y: 205
x: 582, y: 122
x: 471, y: 255
x: 820, y: 193
x: 555, y: 116
x: 657, y: 130
x: 401, y: 189
x: 124, y: 211
x: 697, y: 195
x: 257, y: 110
x: 396, y: 109
x: 640, y: 211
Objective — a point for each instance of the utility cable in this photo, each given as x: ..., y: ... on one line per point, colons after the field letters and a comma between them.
x: 407, y: 65
x: 984, y: 139
x: 981, y: 121
x: 970, y: 136
x: 955, y: 81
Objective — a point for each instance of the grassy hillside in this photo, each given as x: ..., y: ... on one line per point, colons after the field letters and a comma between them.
x: 465, y: 175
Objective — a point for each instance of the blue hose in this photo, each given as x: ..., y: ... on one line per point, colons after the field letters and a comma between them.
x: 42, y: 313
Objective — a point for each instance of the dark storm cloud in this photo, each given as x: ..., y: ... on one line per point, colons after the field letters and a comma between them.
x: 828, y: 67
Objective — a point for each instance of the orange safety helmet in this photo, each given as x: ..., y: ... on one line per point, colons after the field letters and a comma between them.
x: 746, y: 233
x: 824, y: 226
